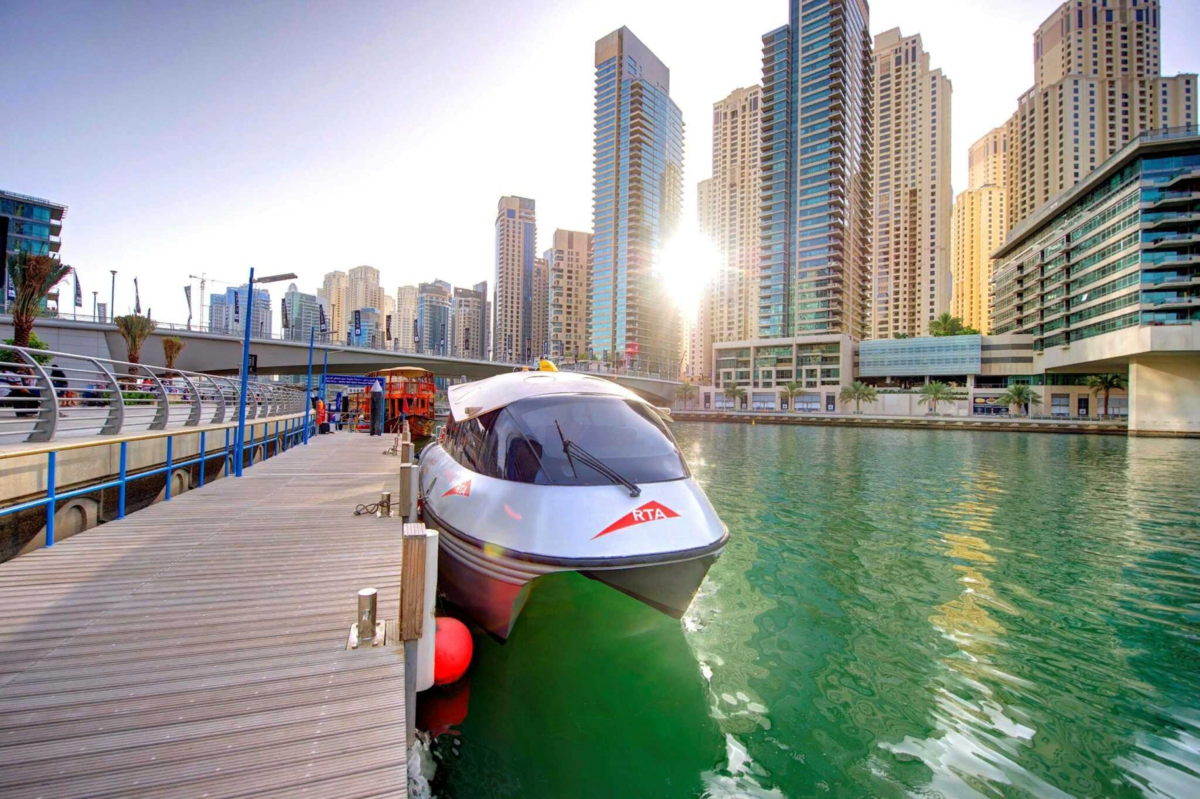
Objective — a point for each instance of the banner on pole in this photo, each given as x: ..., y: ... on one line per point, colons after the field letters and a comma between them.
x: 78, y: 293
x: 137, y: 299
x: 187, y: 292
x: 237, y: 308
x: 283, y: 307
x: 389, y: 327
x: 324, y: 324
x: 357, y: 324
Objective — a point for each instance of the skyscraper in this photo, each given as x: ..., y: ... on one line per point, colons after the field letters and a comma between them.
x: 468, y: 318
x: 303, y: 315
x: 637, y: 202
x: 570, y: 285
x: 228, y: 313
x: 434, y: 319
x: 1098, y: 84
x: 977, y: 229
x: 363, y: 290
x: 333, y: 295
x: 539, y: 326
x: 406, y: 318
x: 729, y: 214
x: 816, y: 160
x: 516, y: 243
x: 911, y: 246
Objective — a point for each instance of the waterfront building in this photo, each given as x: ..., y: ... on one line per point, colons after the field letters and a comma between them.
x: 977, y: 229
x: 333, y: 294
x: 637, y: 203
x: 227, y: 313
x: 697, y: 358
x: 34, y: 225
x: 539, y: 305
x: 469, y: 320
x: 1104, y: 279
x: 815, y: 209
x: 404, y: 325
x: 1098, y: 85
x: 303, y: 314
x: 369, y: 332
x: 516, y: 243
x: 729, y: 217
x: 434, y: 317
x: 911, y: 243
x: 762, y: 368
x: 570, y: 263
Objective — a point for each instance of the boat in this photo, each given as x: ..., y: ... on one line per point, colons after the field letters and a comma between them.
x: 543, y: 471
x: 408, y: 394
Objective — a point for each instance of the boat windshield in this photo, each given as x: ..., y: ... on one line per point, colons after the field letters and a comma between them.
x: 522, y: 442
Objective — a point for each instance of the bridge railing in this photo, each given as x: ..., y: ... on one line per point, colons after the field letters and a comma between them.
x: 50, y: 396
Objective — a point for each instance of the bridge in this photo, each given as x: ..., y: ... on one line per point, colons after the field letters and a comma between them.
x: 221, y: 354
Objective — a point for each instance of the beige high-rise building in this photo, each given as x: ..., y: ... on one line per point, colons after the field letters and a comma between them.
x: 516, y: 243
x: 1097, y: 67
x: 977, y: 229
x: 539, y: 304
x: 470, y: 337
x: 406, y: 317
x: 729, y: 215
x: 570, y: 263
x: 363, y: 290
x: 910, y: 251
x: 333, y: 295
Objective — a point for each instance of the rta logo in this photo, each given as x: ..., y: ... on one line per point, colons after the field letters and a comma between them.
x: 463, y: 489
x: 652, y: 511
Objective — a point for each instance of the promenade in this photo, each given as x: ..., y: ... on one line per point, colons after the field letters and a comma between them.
x: 198, y: 647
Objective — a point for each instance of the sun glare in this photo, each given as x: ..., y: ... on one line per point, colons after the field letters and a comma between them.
x: 686, y: 264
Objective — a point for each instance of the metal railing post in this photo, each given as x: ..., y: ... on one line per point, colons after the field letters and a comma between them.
x: 163, y: 415
x: 203, y: 458
x: 116, y: 410
x: 51, y: 479
x: 169, y: 475
x: 193, y: 417
x: 225, y: 464
x: 121, y: 489
x: 46, y: 424
x: 276, y: 436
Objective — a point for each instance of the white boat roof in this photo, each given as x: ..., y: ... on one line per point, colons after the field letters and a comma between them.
x: 469, y: 400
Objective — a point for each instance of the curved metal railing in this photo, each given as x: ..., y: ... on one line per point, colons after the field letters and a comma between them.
x: 51, y: 396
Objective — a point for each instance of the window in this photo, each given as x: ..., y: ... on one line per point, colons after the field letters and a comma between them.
x: 1060, y: 404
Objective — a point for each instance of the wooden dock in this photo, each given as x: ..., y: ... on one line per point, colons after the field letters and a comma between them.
x: 197, y: 648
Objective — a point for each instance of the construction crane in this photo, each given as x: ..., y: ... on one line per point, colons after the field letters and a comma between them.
x: 205, y: 280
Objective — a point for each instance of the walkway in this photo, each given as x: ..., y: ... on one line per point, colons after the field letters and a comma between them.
x: 197, y: 648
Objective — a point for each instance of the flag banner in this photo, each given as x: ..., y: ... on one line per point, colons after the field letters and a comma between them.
x: 416, y: 332
x: 137, y: 298
x: 389, y: 327
x: 283, y: 307
x: 237, y: 308
x: 187, y: 292
x: 324, y: 324
x: 357, y: 323
x: 78, y: 293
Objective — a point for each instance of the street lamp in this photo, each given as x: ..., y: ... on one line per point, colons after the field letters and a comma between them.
x: 95, y: 295
x: 112, y: 299
x: 241, y: 431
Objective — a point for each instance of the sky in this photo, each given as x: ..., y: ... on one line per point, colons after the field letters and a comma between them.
x: 206, y: 138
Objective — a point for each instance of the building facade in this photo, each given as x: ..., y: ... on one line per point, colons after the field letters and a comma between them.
x: 333, y: 294
x: 406, y: 318
x: 762, y: 368
x: 1098, y: 85
x: 1105, y: 279
x: 469, y: 320
x: 570, y: 264
x: 34, y: 225
x: 911, y: 244
x: 815, y: 206
x: 977, y: 229
x: 363, y: 290
x: 227, y: 312
x: 728, y: 215
x: 303, y: 315
x: 637, y: 203
x: 539, y: 326
x: 516, y: 244
x: 435, y: 318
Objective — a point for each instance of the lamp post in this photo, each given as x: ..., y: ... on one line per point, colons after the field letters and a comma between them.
x: 112, y: 298
x: 241, y: 430
x: 312, y: 332
x: 95, y: 300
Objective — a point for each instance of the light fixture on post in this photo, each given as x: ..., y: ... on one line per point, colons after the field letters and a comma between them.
x: 241, y: 430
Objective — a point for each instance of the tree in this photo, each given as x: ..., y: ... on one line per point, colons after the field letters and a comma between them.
x: 172, y: 346
x: 968, y: 331
x: 791, y: 391
x: 935, y: 392
x: 857, y: 392
x: 734, y: 393
x: 31, y: 278
x: 901, y: 335
x: 1020, y: 395
x: 1105, y: 384
x: 687, y: 392
x: 946, y: 325
x: 135, y: 330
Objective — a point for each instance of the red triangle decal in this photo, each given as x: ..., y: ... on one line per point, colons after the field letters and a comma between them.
x: 463, y: 489
x: 650, y: 512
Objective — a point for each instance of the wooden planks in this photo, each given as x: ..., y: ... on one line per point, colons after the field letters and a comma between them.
x: 197, y: 647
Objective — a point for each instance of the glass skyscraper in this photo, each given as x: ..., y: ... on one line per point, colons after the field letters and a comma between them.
x: 637, y: 201
x: 816, y: 182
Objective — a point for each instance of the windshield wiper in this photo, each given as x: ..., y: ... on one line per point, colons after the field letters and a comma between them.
x: 594, y: 463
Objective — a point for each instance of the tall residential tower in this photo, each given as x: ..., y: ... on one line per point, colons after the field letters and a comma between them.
x: 977, y: 229
x: 911, y: 245
x: 637, y: 203
x: 516, y: 243
x: 570, y: 265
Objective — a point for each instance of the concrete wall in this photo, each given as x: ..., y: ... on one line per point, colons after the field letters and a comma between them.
x: 78, y: 338
x: 1164, y: 394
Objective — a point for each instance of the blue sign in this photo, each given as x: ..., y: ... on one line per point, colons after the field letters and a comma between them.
x: 353, y: 380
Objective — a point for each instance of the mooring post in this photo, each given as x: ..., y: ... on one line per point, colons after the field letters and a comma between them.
x: 366, y: 613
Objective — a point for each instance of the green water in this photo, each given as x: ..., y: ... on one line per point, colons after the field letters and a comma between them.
x: 899, y: 613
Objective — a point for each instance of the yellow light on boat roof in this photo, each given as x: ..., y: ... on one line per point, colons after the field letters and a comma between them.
x: 547, y: 366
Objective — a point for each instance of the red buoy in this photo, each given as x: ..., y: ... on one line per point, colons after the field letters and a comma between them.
x: 452, y: 650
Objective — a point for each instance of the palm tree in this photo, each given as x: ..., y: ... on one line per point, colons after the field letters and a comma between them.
x: 791, y: 391
x: 857, y: 392
x: 686, y: 392
x: 31, y: 278
x: 734, y: 393
x: 1020, y: 395
x: 172, y: 346
x: 135, y: 330
x: 935, y: 392
x: 1105, y: 383
x: 946, y: 325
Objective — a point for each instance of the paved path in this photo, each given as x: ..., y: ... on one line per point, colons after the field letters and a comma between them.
x: 197, y: 647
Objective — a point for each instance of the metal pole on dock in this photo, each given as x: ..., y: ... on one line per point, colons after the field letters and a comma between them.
x: 241, y: 431
x: 312, y: 331
x: 324, y: 369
